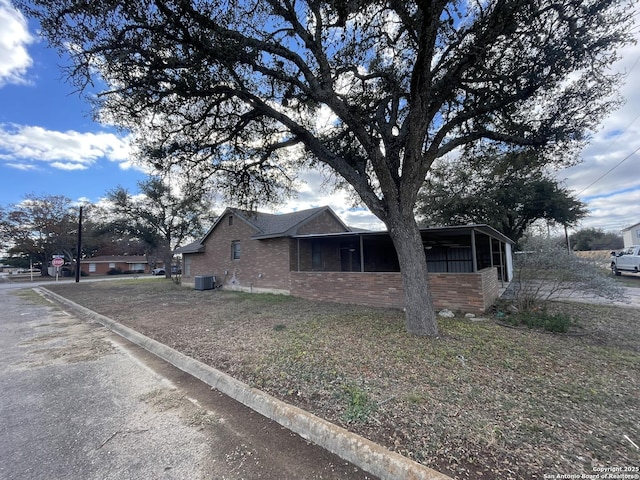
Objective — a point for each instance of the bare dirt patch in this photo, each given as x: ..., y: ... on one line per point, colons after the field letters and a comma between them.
x: 482, y: 401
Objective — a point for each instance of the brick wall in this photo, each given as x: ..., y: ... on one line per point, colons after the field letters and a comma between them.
x: 491, y: 286
x: 323, y: 223
x: 263, y: 264
x: 466, y: 292
x: 101, y: 268
x: 374, y: 289
x: 455, y: 291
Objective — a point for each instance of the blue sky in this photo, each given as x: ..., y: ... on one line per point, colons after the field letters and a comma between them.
x: 49, y: 143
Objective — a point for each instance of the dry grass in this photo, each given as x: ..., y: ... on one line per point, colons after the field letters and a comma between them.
x: 599, y: 256
x: 482, y: 401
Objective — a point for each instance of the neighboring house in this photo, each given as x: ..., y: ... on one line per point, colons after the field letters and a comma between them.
x: 124, y: 263
x: 313, y: 254
x: 631, y: 235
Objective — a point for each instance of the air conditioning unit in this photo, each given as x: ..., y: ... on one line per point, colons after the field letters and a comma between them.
x: 205, y: 282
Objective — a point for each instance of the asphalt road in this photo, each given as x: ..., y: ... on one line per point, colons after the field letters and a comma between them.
x: 78, y: 402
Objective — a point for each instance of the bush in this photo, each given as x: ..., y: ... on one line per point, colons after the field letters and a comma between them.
x: 114, y: 271
x: 544, y: 271
x: 557, y: 323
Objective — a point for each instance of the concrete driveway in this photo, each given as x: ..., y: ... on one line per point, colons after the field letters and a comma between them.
x: 78, y: 402
x: 631, y: 298
x: 630, y: 295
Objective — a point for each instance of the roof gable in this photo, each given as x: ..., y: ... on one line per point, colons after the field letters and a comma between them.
x: 270, y: 225
x: 287, y: 224
x: 631, y: 227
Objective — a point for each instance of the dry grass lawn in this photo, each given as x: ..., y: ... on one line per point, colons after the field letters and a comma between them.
x: 482, y: 401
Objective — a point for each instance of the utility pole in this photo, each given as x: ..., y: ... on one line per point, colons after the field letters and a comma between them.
x: 79, y: 252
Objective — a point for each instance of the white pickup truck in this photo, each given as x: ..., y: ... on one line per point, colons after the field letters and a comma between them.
x: 627, y: 260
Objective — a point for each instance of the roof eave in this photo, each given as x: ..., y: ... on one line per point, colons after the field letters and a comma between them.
x: 477, y: 227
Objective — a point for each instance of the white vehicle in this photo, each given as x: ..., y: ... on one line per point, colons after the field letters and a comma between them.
x: 627, y: 260
x: 29, y: 270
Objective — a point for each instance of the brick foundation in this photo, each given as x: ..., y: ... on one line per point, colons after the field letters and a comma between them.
x: 466, y: 292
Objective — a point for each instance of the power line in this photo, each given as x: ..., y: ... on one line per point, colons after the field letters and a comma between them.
x: 608, y: 171
x: 626, y: 75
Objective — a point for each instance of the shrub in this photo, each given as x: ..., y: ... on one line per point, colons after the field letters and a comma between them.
x: 557, y: 323
x: 132, y: 272
x: 544, y: 271
x: 114, y: 271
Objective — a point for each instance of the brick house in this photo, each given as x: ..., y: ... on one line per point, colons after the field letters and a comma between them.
x: 125, y: 263
x: 313, y: 254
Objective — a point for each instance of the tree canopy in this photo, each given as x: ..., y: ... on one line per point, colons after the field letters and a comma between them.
x: 247, y: 92
x: 159, y: 218
x: 40, y: 227
x: 509, y: 191
x: 596, y: 239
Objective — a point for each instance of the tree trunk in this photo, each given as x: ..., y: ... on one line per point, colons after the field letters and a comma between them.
x: 167, y: 257
x: 420, y: 316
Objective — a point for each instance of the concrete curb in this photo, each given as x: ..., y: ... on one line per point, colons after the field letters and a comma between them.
x: 363, y: 453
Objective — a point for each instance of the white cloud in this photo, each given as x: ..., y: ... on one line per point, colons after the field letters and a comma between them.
x: 14, y: 38
x: 608, y: 180
x: 316, y: 190
x: 31, y: 146
x: 21, y: 166
x: 68, y: 166
x: 614, y: 212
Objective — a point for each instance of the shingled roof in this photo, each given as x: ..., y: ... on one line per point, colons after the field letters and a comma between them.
x: 115, y: 259
x: 193, y: 247
x: 269, y: 225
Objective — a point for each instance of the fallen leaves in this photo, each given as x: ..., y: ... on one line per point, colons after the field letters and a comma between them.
x: 480, y: 402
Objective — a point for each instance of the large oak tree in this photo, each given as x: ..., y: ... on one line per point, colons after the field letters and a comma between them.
x: 162, y: 217
x: 507, y: 190
x: 42, y: 226
x: 240, y: 88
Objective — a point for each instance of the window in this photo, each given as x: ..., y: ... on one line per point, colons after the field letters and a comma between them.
x: 112, y: 264
x: 92, y: 268
x: 235, y: 250
x: 230, y: 220
x: 638, y: 233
